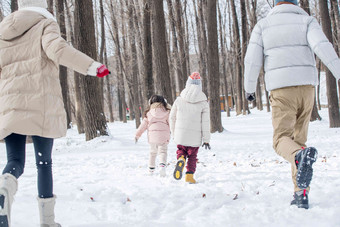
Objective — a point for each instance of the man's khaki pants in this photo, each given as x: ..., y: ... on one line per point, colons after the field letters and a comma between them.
x: 291, y: 111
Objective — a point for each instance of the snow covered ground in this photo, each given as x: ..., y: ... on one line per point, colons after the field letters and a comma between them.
x: 241, y: 181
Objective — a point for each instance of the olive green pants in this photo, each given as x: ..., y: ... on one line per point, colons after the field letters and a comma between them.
x: 291, y: 111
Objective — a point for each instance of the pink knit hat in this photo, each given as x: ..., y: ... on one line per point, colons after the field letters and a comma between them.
x: 194, y: 78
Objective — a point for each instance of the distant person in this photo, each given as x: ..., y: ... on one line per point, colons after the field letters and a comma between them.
x: 31, y: 102
x: 156, y: 122
x: 285, y: 41
x: 190, y: 124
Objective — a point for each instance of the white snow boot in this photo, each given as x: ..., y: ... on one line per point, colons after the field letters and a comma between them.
x: 8, y: 188
x: 162, y: 169
x: 46, y: 210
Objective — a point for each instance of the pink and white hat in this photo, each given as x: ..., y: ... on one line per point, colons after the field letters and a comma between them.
x: 194, y: 78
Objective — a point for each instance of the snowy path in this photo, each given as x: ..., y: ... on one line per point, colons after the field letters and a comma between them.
x: 242, y: 182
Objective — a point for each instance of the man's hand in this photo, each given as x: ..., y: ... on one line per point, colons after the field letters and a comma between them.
x: 206, y: 146
x: 250, y: 96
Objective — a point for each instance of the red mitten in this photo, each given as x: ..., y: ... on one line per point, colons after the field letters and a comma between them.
x: 102, y: 71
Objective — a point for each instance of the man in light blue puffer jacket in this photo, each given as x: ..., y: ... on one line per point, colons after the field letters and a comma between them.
x: 285, y: 41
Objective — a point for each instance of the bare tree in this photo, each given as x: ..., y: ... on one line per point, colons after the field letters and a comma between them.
x: 103, y: 58
x: 182, y: 45
x: 133, y: 63
x: 237, y: 39
x: 14, y: 5
x: 336, y: 28
x: 213, y: 68
x: 1, y: 12
x: 244, y: 50
x: 121, y: 87
x: 94, y: 117
x: 224, y: 60
x: 160, y: 60
x: 333, y: 102
x: 177, y: 61
x: 147, y: 50
x: 50, y: 6
x: 60, y: 14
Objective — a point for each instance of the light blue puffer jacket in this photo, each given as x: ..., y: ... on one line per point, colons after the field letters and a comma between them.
x: 286, y: 41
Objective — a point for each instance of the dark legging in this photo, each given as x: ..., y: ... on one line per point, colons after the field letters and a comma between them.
x: 16, y: 152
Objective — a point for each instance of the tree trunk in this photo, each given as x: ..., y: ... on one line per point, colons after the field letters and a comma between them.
x: 134, y: 64
x: 162, y: 77
x: 147, y: 50
x: 266, y: 92
x: 121, y: 87
x: 1, y: 13
x: 224, y: 59
x: 258, y: 100
x: 78, y: 78
x: 141, y: 85
x: 304, y: 4
x: 203, y: 45
x: 213, y: 68
x: 237, y: 40
x: 333, y: 102
x: 318, y: 87
x: 108, y: 90
x: 187, y: 36
x: 62, y: 69
x: 244, y: 50
x: 172, y: 25
x: 69, y: 21
x: 50, y: 7
x: 182, y: 46
x: 94, y: 117
x: 336, y: 29
x: 14, y: 5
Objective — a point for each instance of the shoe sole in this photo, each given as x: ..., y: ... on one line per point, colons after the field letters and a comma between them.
x: 178, y: 173
x: 305, y: 169
x: 4, y: 222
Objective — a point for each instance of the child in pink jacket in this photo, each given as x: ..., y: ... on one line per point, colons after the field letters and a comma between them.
x: 156, y: 121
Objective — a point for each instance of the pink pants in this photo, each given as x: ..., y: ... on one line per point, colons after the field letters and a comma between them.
x: 191, y: 154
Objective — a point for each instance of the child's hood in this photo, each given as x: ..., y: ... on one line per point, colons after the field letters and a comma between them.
x: 158, y: 111
x: 193, y: 94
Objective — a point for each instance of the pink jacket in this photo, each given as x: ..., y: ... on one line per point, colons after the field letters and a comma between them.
x: 157, y: 124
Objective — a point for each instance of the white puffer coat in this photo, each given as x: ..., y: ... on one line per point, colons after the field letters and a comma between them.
x: 286, y: 41
x: 190, y: 117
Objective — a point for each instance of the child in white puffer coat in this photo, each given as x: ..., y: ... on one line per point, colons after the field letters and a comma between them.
x: 190, y: 125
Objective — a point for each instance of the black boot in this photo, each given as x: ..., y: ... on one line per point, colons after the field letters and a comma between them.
x: 300, y: 199
x: 304, y: 160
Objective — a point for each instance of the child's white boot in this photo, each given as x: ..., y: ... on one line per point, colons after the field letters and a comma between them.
x: 162, y: 170
x: 8, y: 188
x: 46, y: 211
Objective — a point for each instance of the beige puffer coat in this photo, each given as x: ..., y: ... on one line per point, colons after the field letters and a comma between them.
x: 31, y: 50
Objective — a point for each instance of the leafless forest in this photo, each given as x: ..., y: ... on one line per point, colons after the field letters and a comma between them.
x: 151, y: 46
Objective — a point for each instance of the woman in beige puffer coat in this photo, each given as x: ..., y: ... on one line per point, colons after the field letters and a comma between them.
x: 31, y: 103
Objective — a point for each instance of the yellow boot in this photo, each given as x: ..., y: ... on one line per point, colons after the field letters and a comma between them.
x: 189, y: 177
x: 179, y: 168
